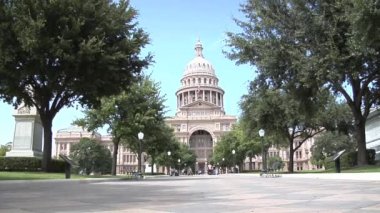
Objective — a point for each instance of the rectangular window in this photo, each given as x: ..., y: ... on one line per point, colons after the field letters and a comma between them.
x: 217, y: 126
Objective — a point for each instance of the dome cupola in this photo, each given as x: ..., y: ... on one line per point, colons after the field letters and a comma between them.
x: 199, y: 65
x: 199, y: 85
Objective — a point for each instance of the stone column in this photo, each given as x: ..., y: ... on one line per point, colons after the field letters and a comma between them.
x: 57, y: 148
x: 68, y: 148
x: 217, y: 99
x: 182, y: 98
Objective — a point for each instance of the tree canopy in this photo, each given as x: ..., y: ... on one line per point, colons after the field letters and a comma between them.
x: 315, y: 44
x: 91, y: 156
x: 140, y: 109
x: 56, y: 53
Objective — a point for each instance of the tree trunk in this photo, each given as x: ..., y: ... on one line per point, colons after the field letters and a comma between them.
x: 291, y: 157
x: 361, y: 142
x: 250, y: 163
x: 46, y: 157
x: 114, y: 156
x: 153, y: 161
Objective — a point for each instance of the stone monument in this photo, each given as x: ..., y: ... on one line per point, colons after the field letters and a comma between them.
x: 27, y: 139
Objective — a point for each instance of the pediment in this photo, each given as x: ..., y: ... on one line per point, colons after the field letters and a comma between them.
x: 200, y: 104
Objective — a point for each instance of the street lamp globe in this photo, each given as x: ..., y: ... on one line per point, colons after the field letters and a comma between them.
x: 179, y: 160
x: 233, y: 151
x: 169, y: 153
x: 140, y: 135
x: 261, y: 132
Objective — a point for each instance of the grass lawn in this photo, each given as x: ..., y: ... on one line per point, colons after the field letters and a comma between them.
x: 44, y: 176
x: 369, y: 168
x: 35, y: 176
x: 357, y: 169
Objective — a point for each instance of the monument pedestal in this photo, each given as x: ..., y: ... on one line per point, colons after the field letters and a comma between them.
x: 27, y: 140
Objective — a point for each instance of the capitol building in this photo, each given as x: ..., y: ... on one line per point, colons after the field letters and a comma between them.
x: 200, y: 120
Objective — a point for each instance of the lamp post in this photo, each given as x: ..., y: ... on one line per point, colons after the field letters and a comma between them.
x: 223, y: 165
x: 233, y: 159
x: 140, y: 135
x: 263, y: 157
x: 217, y: 168
x: 179, y: 166
x: 169, y: 153
x: 206, y: 167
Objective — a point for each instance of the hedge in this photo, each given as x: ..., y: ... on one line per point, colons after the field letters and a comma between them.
x: 350, y: 159
x: 30, y: 164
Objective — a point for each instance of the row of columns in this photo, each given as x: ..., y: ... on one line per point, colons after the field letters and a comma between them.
x: 67, y: 150
x: 184, y: 100
x: 199, y: 81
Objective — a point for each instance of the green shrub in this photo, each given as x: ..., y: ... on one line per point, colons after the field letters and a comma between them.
x: 371, y: 155
x: 30, y: 164
x: 250, y: 171
x: 2, y: 163
x: 350, y: 159
x: 20, y: 164
x: 57, y: 166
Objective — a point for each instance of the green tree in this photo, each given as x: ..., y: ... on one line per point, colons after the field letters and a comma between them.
x: 330, y: 143
x: 158, y: 142
x: 286, y: 118
x: 186, y: 156
x: 315, y: 44
x: 275, y: 163
x: 173, y: 147
x: 91, y: 156
x: 3, y: 150
x: 56, y: 53
x: 232, y: 140
x: 139, y: 109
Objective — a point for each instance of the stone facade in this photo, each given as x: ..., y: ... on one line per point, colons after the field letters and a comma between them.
x: 200, y: 120
x: 65, y: 138
x: 372, y: 132
x: 302, y: 157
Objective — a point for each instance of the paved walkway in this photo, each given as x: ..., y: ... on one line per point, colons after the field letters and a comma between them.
x: 338, y: 176
x: 224, y: 193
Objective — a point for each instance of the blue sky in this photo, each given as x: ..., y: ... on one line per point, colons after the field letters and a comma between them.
x: 174, y: 26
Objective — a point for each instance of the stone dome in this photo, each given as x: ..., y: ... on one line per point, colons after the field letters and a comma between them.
x: 71, y: 129
x: 199, y: 65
